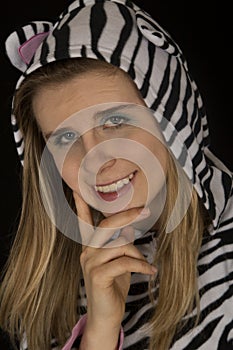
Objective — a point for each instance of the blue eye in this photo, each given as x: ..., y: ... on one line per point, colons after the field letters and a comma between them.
x: 114, y: 121
x: 65, y: 138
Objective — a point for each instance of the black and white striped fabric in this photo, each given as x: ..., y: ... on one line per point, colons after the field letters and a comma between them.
x: 121, y: 33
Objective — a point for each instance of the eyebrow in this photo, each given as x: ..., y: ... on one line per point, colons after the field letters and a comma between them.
x: 96, y: 116
x: 105, y: 112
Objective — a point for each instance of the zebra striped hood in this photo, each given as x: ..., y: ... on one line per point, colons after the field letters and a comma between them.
x: 121, y: 33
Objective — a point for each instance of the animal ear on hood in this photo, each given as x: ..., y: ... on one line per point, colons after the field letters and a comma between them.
x: 156, y: 34
x: 22, y: 44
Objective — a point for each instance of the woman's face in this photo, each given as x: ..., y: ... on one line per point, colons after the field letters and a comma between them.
x: 102, y: 151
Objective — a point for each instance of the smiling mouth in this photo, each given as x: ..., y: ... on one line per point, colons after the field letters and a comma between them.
x: 115, y: 186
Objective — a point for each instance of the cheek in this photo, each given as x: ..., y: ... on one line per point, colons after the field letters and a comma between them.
x: 156, y: 147
x: 161, y: 154
x: 68, y: 164
x: 69, y: 173
x: 156, y: 179
x: 162, y: 157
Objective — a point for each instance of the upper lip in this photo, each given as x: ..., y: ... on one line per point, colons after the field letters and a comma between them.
x: 112, y: 182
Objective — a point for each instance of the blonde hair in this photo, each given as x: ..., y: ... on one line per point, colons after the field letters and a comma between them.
x: 39, y: 292
x: 176, y: 257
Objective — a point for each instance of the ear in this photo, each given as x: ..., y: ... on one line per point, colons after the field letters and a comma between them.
x: 153, y: 32
x: 22, y: 44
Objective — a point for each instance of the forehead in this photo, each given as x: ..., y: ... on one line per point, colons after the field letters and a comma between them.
x: 53, y: 104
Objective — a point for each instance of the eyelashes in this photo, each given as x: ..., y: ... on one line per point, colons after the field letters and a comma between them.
x: 114, y: 121
x: 66, y: 137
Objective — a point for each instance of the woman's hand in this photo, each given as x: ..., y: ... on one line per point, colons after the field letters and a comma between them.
x: 107, y: 271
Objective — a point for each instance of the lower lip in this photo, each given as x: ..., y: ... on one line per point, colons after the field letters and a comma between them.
x: 112, y: 196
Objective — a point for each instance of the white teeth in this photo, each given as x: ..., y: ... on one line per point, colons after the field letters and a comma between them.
x: 112, y: 187
x: 105, y: 189
x: 120, y: 184
x: 115, y: 186
x: 125, y: 181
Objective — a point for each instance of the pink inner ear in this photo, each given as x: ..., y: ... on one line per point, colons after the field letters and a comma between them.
x: 28, y: 49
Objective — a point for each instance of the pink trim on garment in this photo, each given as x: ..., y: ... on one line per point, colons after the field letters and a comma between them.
x: 79, y: 329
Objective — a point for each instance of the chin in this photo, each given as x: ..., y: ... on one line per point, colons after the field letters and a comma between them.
x: 128, y: 207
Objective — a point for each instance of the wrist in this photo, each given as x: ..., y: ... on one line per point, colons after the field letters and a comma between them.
x: 95, y: 336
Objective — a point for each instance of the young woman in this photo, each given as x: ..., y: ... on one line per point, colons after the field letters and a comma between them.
x: 125, y: 238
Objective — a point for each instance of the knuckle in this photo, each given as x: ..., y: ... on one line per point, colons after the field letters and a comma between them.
x: 140, y: 266
x: 124, y: 262
x: 144, y: 266
x: 104, y: 223
x: 95, y: 276
x: 83, y: 257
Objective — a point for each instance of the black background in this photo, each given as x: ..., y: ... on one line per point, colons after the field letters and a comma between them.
x: 203, y: 32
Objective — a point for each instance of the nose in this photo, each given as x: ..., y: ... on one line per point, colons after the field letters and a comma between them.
x: 89, y: 140
x: 96, y: 157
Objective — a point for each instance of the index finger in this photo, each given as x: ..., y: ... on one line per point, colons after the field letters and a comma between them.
x: 112, y: 225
